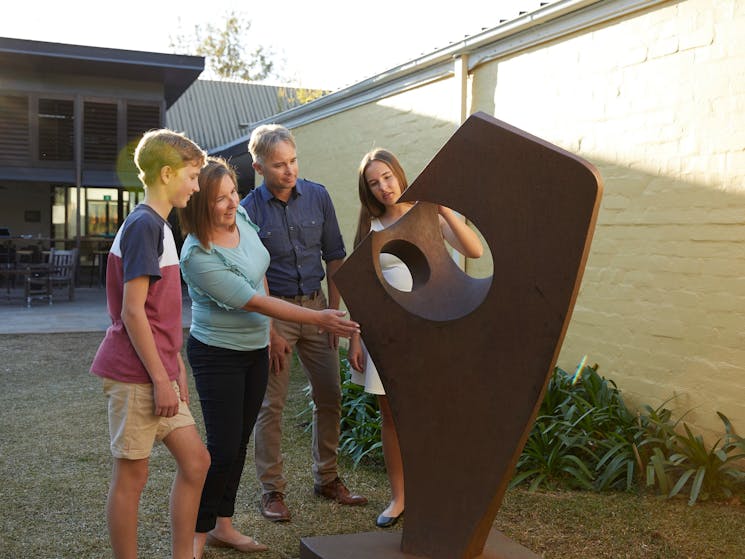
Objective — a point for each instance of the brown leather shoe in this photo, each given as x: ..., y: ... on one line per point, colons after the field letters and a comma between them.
x: 273, y: 507
x: 337, y: 491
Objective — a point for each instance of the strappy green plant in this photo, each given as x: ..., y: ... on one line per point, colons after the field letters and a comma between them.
x: 683, y: 463
x: 583, y: 436
x: 360, y: 421
x: 586, y: 437
x: 553, y: 457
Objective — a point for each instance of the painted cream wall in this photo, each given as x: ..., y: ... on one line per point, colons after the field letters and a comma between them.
x: 657, y: 102
x: 413, y: 124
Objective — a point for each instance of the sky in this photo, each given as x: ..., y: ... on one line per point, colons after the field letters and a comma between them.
x: 326, y: 44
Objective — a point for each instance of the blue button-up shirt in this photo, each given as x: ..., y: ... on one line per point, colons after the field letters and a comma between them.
x: 297, y: 234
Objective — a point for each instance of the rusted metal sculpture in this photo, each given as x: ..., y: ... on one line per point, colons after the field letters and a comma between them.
x: 465, y: 361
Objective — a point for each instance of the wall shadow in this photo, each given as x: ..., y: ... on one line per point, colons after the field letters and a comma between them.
x: 660, y: 308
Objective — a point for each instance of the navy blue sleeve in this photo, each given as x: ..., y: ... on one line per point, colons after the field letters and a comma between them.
x: 332, y: 244
x: 249, y: 204
x: 141, y: 246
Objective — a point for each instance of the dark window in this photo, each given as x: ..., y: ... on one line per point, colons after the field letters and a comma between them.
x: 55, y: 130
x: 140, y: 119
x: 99, y: 132
x: 14, y: 130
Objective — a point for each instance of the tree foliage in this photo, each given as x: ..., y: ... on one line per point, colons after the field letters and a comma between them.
x: 224, y: 48
x: 291, y: 96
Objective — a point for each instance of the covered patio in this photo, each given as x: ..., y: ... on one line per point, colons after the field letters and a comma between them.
x: 70, y: 117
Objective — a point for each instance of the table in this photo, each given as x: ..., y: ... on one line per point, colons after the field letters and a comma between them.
x: 38, y: 271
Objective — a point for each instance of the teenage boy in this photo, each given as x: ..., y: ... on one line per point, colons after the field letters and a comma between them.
x: 298, y: 226
x: 139, y: 359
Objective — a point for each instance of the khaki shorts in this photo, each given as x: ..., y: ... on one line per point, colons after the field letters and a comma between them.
x: 133, y: 426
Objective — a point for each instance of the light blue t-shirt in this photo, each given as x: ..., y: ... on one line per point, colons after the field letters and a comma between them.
x: 221, y: 281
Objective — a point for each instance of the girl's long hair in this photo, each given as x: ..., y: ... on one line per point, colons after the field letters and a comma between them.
x: 369, y: 206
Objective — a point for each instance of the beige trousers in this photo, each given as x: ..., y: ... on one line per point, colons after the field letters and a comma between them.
x: 321, y: 365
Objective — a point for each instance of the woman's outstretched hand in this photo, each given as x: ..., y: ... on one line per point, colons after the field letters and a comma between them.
x: 333, y: 321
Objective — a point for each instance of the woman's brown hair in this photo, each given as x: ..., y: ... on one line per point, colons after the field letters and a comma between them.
x: 196, y: 218
x: 369, y: 205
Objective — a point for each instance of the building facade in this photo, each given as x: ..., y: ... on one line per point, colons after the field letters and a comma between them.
x: 70, y: 117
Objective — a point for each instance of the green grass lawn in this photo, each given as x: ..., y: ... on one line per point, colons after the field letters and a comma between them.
x: 55, y: 467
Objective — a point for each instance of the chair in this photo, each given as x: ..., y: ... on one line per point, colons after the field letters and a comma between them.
x: 7, y: 263
x: 61, y: 272
x: 27, y: 255
x: 62, y: 264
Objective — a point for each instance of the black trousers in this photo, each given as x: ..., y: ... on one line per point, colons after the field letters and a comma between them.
x: 231, y: 386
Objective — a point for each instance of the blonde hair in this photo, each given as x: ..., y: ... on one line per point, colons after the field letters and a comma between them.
x: 162, y: 147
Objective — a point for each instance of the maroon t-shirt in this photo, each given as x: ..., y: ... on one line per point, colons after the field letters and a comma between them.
x: 144, y: 246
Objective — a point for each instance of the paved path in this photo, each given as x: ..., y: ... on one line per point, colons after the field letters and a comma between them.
x: 87, y: 313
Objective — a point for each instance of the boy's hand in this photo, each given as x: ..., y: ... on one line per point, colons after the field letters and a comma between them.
x: 166, y: 400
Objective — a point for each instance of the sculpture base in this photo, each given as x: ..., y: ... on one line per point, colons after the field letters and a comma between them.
x: 387, y: 545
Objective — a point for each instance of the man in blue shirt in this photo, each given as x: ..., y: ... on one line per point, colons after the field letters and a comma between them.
x: 298, y: 227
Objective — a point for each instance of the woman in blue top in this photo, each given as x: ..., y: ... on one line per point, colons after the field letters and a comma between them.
x: 223, y: 263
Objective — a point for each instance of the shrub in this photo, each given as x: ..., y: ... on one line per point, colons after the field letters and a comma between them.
x: 682, y: 462
x: 585, y: 437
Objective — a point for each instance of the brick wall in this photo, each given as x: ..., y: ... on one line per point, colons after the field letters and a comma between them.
x: 657, y: 102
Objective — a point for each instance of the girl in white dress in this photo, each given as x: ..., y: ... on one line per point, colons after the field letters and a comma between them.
x: 381, y: 182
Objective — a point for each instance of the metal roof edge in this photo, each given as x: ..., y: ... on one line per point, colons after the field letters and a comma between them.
x: 345, y: 99
x: 544, y: 24
x: 101, y: 54
x: 552, y: 24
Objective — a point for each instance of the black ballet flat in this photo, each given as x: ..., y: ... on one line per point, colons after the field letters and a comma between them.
x: 384, y: 521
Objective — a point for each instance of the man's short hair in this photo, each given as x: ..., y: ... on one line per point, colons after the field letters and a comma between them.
x: 265, y: 137
x: 163, y: 147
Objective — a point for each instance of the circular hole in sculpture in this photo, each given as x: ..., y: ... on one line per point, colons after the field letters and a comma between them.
x: 433, y: 285
x: 403, y: 265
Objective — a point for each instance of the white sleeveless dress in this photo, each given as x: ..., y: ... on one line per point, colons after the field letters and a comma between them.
x: 397, y: 275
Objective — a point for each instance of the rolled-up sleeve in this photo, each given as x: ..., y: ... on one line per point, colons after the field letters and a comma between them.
x: 332, y: 244
x: 209, y: 275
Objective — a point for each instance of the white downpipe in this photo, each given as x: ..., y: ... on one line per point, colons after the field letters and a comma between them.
x: 460, y: 73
